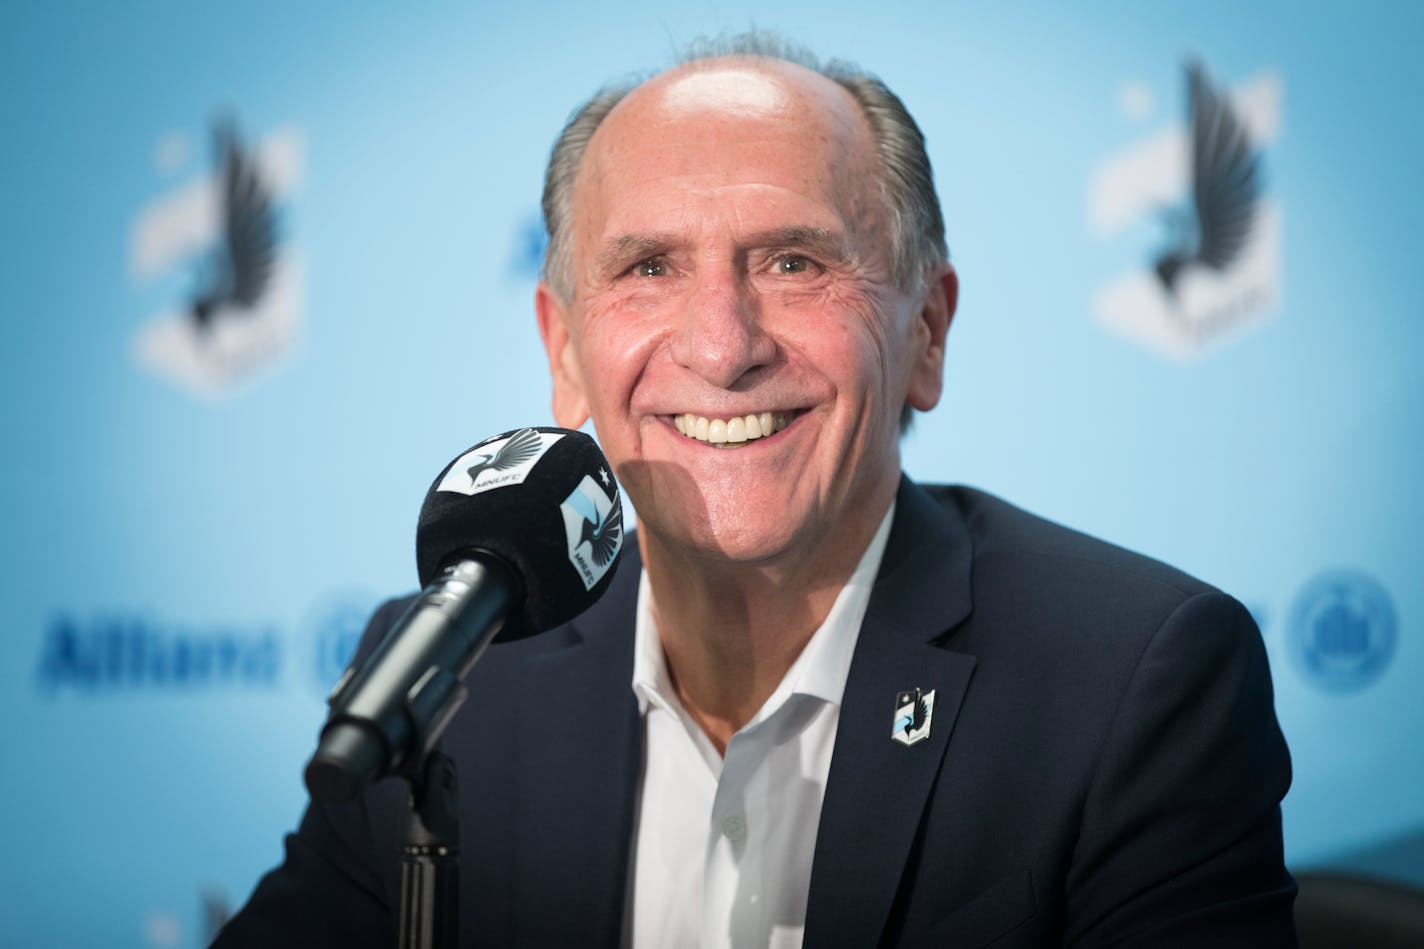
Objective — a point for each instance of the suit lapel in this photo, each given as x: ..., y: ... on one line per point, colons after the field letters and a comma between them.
x: 577, y: 768
x: 580, y: 754
x: 878, y: 787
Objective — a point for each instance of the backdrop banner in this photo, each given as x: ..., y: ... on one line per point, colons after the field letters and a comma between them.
x: 269, y: 266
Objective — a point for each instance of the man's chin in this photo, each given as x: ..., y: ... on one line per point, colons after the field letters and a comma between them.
x: 739, y: 521
x: 728, y: 544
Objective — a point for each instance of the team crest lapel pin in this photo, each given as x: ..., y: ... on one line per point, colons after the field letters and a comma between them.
x: 914, y: 710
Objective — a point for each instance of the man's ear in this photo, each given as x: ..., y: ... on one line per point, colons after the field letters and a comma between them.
x: 570, y: 401
x: 936, y: 313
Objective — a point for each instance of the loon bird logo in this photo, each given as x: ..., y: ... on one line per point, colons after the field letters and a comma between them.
x: 603, y: 535
x: 239, y: 268
x: 593, y: 527
x: 498, y: 462
x: 914, y: 712
x: 519, y: 448
x: 1225, y: 186
x: 221, y: 229
x: 1216, y: 272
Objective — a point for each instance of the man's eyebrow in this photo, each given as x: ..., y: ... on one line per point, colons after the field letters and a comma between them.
x: 629, y: 248
x: 618, y: 253
x: 803, y: 237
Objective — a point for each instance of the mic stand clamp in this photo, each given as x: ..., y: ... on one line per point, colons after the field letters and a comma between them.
x: 430, y: 856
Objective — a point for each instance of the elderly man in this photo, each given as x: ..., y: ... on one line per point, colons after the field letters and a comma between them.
x: 820, y: 705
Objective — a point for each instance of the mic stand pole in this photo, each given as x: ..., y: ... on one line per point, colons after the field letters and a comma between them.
x: 430, y: 856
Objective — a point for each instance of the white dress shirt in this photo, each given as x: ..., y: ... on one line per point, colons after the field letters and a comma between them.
x: 723, y: 846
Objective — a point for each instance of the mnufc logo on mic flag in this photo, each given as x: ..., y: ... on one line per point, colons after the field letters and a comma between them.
x: 593, y: 523
x: 498, y: 463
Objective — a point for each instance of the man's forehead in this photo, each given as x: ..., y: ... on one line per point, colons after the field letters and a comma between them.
x: 709, y: 100
x: 732, y: 87
x: 739, y: 123
x: 736, y: 87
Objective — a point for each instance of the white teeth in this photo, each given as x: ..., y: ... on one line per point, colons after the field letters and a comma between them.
x: 732, y: 431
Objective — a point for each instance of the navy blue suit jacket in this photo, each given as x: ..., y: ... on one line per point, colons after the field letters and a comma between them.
x: 1104, y: 766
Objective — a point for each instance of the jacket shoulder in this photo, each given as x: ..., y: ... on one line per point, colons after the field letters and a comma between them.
x: 1010, y: 541
x: 1047, y: 594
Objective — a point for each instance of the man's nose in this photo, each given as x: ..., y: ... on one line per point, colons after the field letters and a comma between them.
x: 721, y: 336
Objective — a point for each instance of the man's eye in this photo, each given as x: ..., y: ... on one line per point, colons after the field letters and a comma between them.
x: 793, y: 264
x: 652, y: 267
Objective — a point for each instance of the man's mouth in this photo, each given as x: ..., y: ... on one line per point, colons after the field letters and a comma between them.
x: 730, y: 432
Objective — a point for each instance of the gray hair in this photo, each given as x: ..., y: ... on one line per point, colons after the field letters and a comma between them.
x: 917, y: 243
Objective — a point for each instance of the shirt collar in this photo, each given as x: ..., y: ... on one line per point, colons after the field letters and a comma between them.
x: 820, y: 671
x: 651, y: 681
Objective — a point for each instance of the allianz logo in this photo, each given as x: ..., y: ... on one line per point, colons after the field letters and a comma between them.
x: 117, y: 652
x: 120, y: 653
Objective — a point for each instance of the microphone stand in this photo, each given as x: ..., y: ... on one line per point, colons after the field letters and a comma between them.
x: 430, y: 856
x: 443, y: 633
x: 430, y: 842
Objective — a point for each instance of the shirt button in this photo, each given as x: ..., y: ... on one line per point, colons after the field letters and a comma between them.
x: 734, y: 826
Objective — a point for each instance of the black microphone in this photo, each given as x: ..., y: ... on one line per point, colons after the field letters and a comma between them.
x: 517, y: 535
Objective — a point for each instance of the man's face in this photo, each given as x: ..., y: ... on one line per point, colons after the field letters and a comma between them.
x: 731, y: 258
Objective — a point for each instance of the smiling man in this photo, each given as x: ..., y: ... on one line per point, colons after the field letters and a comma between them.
x: 730, y: 317
x: 820, y: 705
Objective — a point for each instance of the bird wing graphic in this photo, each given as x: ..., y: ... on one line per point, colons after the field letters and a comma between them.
x: 1226, y: 182
x: 606, y: 536
x: 250, y: 228
x: 241, y: 264
x: 521, y: 447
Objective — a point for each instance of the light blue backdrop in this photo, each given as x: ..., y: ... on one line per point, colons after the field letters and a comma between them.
x: 184, y: 572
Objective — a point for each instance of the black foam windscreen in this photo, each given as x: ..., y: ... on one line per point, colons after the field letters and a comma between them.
x: 544, y: 501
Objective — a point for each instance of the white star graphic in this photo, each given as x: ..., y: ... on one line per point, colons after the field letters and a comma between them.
x: 603, y: 473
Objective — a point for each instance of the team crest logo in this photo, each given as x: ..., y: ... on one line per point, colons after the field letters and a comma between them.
x: 593, y: 523
x: 914, y: 712
x: 1218, y: 270
x: 1342, y: 631
x: 221, y: 235
x: 498, y: 463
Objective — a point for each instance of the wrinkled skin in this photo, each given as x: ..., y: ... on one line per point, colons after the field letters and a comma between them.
x: 731, y: 256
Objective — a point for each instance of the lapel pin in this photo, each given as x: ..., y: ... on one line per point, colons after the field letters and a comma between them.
x: 914, y: 710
